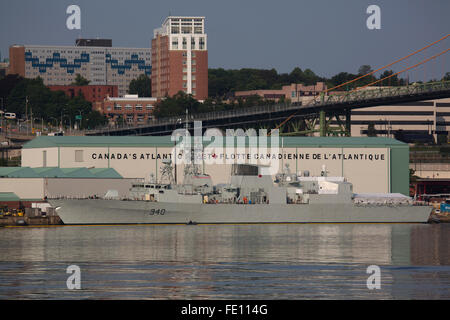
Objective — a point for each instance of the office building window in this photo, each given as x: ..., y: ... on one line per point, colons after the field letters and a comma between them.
x: 175, y: 44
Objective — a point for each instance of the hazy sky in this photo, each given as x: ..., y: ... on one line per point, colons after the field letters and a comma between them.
x: 327, y: 36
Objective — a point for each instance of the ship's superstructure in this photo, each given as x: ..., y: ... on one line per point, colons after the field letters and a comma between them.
x: 251, y: 196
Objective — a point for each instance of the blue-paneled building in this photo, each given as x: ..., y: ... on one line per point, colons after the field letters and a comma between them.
x: 58, y: 65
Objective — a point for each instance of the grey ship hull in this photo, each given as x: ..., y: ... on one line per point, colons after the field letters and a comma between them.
x: 97, y: 211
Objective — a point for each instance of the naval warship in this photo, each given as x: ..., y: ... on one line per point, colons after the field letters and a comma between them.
x: 251, y: 196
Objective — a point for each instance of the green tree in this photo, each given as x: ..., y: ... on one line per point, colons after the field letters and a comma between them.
x: 32, y: 96
x: 176, y: 105
x: 141, y: 86
x: 93, y: 119
x: 392, y: 81
x: 7, y: 84
x: 341, y: 78
x: 371, y: 131
x: 446, y: 77
x: 310, y: 77
x: 34, y: 91
x: 364, y: 69
x: 80, y: 81
x: 296, y: 76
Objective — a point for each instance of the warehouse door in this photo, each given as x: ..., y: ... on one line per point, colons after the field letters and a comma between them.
x: 44, y: 158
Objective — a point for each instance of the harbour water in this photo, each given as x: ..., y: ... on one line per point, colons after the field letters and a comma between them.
x: 273, y: 261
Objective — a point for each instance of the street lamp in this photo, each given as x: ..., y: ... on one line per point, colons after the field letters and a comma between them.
x: 70, y: 121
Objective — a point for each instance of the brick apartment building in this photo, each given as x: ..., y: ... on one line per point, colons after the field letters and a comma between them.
x: 91, y: 93
x: 180, y: 58
x: 129, y: 109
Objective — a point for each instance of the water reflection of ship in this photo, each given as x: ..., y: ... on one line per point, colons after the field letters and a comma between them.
x: 196, y: 261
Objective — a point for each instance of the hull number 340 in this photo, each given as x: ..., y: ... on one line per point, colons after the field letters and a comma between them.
x: 157, y: 212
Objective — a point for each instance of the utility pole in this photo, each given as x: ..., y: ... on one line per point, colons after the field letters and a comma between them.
x: 26, y: 110
x: 31, y: 121
x: 3, y: 115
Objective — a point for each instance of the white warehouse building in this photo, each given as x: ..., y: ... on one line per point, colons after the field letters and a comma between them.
x: 372, y: 164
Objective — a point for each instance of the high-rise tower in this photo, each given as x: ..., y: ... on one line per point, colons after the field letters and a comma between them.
x: 180, y: 58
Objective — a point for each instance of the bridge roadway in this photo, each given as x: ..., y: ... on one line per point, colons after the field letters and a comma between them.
x: 276, y: 114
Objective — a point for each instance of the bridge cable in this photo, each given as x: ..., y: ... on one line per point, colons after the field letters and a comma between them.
x: 370, y: 73
x: 406, y: 69
x: 388, y: 65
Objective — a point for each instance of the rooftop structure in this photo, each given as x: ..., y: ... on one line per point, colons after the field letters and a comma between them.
x: 93, y: 42
x: 54, y: 172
